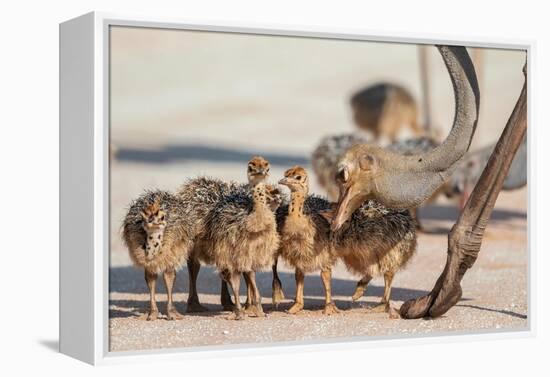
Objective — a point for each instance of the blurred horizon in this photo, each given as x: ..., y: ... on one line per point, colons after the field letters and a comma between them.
x: 177, y: 85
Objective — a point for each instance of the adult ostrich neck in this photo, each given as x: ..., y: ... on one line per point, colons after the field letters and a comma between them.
x: 466, y: 91
x: 406, y: 181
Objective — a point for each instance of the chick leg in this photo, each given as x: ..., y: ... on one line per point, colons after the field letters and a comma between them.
x: 361, y: 287
x: 193, y: 304
x: 234, y: 281
x: 277, y: 287
x: 299, y: 301
x: 151, y: 279
x: 169, y: 280
x: 255, y: 307
x: 330, y: 307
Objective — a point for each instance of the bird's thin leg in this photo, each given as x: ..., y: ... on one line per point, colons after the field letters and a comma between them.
x: 299, y: 301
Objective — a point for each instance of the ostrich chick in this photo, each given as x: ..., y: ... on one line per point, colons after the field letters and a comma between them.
x: 156, y: 234
x: 200, y: 196
x: 243, y: 235
x: 305, y: 237
x: 274, y: 200
x: 375, y: 241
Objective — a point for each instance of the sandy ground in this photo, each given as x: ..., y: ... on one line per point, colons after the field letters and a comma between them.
x: 185, y: 104
x: 495, y: 295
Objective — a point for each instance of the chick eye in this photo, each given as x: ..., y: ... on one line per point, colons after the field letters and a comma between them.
x: 249, y: 168
x: 298, y: 177
x: 162, y: 218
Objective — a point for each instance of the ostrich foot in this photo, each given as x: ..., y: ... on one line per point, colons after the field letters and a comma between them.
x: 393, y: 313
x: 445, y: 294
x: 248, y: 308
x: 416, y: 308
x: 236, y: 315
x: 173, y: 315
x: 330, y: 308
x: 152, y: 315
x: 295, y: 308
x: 359, y: 291
x: 255, y: 311
x: 380, y: 308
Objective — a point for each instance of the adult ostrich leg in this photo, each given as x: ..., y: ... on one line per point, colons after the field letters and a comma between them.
x: 466, y: 235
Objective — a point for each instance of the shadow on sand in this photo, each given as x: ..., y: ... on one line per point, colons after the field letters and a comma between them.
x: 433, y: 215
x: 131, y: 280
x: 179, y: 153
x: 507, y: 312
x: 438, y: 212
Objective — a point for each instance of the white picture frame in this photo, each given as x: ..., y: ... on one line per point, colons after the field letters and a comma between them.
x: 84, y: 185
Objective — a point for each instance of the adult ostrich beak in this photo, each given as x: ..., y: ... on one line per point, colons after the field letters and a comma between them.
x: 398, y: 181
x: 347, y: 204
x: 351, y: 197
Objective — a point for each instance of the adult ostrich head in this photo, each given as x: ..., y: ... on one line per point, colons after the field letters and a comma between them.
x: 368, y: 172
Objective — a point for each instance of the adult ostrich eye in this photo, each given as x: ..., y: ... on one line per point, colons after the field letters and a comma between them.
x: 367, y: 162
